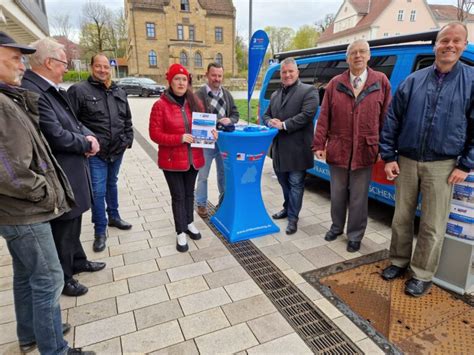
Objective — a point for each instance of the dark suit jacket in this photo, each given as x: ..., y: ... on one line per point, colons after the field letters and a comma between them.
x: 66, y: 136
x: 291, y: 148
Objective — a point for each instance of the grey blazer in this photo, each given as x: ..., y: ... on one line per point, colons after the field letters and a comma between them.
x: 291, y: 148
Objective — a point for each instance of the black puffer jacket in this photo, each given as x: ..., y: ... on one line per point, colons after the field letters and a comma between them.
x: 106, y: 113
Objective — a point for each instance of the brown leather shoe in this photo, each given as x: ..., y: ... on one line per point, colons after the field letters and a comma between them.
x: 202, y: 211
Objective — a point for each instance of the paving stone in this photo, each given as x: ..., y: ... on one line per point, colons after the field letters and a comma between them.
x: 90, y: 279
x: 226, y: 341
x: 154, y: 338
x: 134, y: 237
x: 369, y: 347
x: 103, y: 291
x: 7, y: 314
x: 6, y: 283
x: 202, y: 323
x: 169, y: 262
x: 110, y: 261
x: 223, y: 262
x: 67, y: 302
x: 270, y: 327
x: 6, y: 270
x: 322, y: 256
x: 328, y: 309
x: 128, y: 247
x: 170, y: 249
x: 5, y: 260
x: 276, y: 250
x: 6, y: 297
x: 289, y: 344
x: 186, y: 287
x: 7, y: 332
x: 350, y: 329
x: 104, y: 329
x: 280, y: 263
x: 314, y: 229
x: 209, y: 253
x: 294, y: 277
x: 226, y: 277
x: 156, y: 224
x: 298, y: 262
x: 124, y: 272
x: 311, y: 242
x: 264, y: 241
x: 158, y: 313
x: 140, y: 299
x: 140, y: 255
x: 208, y: 240
x: 163, y: 231
x: 339, y: 246
x: 12, y: 349
x: 249, y: 308
x: 309, y: 291
x: 112, y: 346
x: 169, y: 239
x: 149, y: 280
x: 377, y: 237
x: 92, y: 312
x: 186, y: 348
x: 201, y: 301
x: 188, y: 271
x: 244, y: 289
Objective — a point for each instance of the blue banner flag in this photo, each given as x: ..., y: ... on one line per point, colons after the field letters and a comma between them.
x: 257, y: 49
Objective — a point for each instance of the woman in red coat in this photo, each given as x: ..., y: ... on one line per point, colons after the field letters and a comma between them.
x: 170, y: 127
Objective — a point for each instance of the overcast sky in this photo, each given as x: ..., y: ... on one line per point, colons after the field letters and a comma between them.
x: 290, y: 13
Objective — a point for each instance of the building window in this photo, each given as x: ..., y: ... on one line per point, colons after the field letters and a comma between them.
x: 180, y: 32
x: 183, y: 59
x: 219, y: 36
x: 385, y: 34
x: 184, y: 5
x: 219, y: 59
x: 413, y: 16
x: 400, y: 15
x: 152, y: 61
x: 198, y: 60
x: 191, y: 33
x: 150, y: 30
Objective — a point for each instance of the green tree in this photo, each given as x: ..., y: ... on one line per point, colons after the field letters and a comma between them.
x: 280, y: 38
x: 305, y: 37
x: 96, y: 29
x: 241, y: 54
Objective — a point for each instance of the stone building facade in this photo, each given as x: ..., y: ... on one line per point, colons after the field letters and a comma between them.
x: 191, y: 32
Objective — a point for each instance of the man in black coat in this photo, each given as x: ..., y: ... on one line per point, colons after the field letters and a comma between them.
x: 291, y: 110
x: 103, y: 108
x: 71, y: 143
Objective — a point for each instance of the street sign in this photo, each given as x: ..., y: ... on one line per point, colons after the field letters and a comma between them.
x: 113, y: 62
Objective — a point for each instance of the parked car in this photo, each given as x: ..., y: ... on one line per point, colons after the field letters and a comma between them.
x: 397, y: 57
x: 141, y: 86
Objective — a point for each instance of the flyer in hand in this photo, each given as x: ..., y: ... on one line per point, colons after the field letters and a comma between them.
x: 203, y: 124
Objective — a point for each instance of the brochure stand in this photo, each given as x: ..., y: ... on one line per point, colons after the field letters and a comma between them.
x: 242, y: 214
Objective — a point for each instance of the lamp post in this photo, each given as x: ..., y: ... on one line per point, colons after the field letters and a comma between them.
x: 250, y: 36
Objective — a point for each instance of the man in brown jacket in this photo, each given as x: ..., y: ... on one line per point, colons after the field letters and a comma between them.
x: 347, y: 135
x: 33, y: 190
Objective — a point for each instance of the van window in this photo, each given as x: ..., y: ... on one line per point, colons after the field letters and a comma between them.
x: 423, y: 61
x: 320, y: 73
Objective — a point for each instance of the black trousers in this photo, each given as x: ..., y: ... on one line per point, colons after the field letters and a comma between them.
x: 181, y: 185
x: 66, y: 234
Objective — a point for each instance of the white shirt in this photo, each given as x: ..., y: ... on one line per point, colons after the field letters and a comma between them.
x: 363, y: 78
x: 217, y: 93
x: 53, y: 84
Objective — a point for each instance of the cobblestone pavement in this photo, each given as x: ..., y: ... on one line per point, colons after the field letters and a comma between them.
x: 152, y: 299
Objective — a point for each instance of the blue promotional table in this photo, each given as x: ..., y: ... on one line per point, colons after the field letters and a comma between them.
x: 242, y: 214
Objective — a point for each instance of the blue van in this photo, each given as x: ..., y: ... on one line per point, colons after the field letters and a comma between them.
x: 397, y: 57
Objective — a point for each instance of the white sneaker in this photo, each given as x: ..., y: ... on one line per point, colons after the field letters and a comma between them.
x: 182, y: 243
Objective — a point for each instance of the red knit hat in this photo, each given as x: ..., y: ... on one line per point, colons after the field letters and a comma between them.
x: 175, y: 69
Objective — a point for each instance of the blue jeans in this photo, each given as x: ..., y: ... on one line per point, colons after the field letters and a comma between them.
x: 37, y: 284
x: 201, y: 187
x: 292, y: 183
x: 104, y: 176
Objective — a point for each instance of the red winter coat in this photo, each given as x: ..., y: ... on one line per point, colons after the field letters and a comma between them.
x: 168, y: 122
x: 348, y: 128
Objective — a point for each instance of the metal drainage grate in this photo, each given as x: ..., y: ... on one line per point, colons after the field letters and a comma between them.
x: 314, y: 327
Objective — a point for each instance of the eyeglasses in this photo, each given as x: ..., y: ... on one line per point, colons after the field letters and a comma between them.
x: 60, y: 61
x: 360, y: 51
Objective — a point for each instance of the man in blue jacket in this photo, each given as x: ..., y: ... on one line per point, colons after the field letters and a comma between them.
x: 427, y: 144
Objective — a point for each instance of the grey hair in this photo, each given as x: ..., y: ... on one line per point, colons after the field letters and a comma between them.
x: 357, y: 41
x: 45, y: 48
x: 289, y: 60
